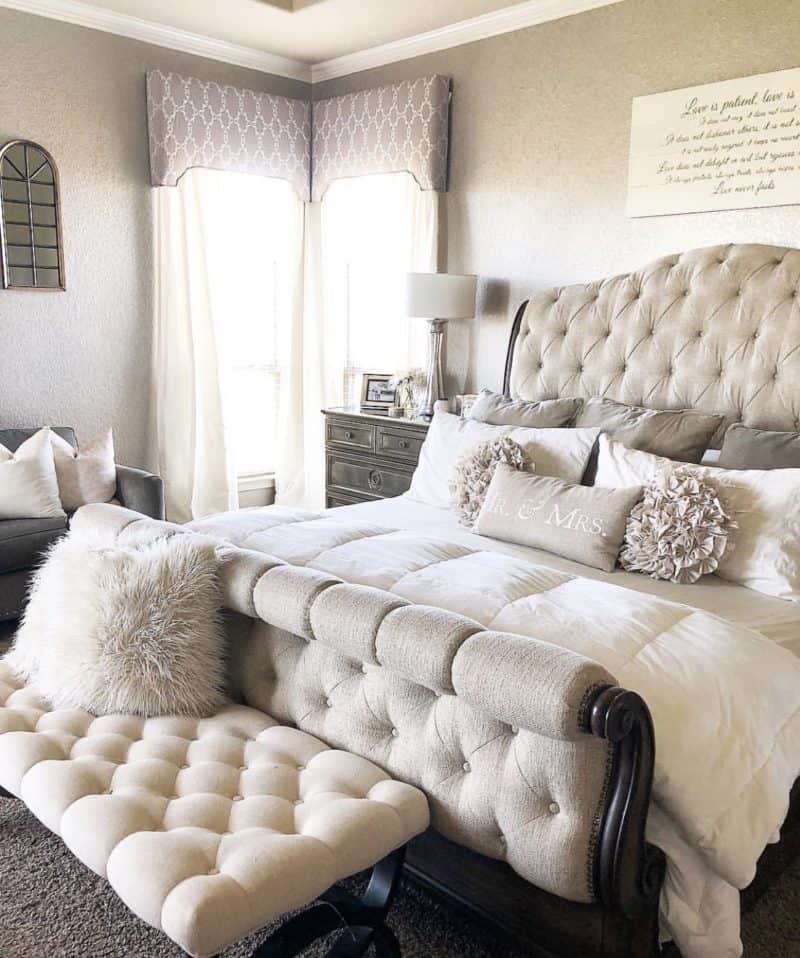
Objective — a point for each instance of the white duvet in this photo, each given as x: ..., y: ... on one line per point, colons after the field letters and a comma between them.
x: 725, y: 700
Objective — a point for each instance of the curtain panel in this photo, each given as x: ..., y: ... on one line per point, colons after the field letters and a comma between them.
x: 402, y: 128
x: 195, y: 123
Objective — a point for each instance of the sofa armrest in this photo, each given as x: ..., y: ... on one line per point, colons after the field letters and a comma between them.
x: 141, y: 491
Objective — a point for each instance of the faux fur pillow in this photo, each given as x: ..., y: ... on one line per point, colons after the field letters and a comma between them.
x: 474, y: 471
x: 121, y: 629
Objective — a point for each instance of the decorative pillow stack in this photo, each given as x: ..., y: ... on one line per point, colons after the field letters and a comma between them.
x: 763, y: 551
x: 46, y: 476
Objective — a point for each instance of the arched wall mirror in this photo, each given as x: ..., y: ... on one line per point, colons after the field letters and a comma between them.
x: 31, y: 247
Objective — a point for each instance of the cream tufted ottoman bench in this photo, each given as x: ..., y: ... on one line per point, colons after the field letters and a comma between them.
x: 210, y: 829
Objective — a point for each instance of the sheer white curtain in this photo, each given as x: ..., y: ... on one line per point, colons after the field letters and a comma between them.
x: 227, y: 356
x: 361, y: 240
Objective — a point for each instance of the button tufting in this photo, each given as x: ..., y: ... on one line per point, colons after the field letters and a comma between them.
x: 364, y: 669
x: 467, y: 767
x: 514, y: 730
x: 502, y: 839
x: 237, y: 798
x: 242, y: 768
x: 554, y: 809
x: 395, y: 733
x: 298, y: 801
x: 329, y: 703
x: 301, y: 768
x: 184, y: 767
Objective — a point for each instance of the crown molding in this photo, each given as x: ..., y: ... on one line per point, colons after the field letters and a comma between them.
x: 505, y: 20
x: 96, y: 18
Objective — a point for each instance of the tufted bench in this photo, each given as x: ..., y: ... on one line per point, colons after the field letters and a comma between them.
x: 209, y: 829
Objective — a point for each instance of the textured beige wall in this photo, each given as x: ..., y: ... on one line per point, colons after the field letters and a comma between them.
x: 541, y: 125
x: 82, y: 357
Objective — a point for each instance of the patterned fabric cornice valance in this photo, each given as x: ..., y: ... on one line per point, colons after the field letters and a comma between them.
x: 197, y: 123
x: 402, y: 127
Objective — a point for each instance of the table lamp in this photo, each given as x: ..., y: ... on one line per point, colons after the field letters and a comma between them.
x: 438, y: 297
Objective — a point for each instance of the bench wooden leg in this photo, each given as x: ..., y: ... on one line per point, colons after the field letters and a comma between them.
x: 362, y: 920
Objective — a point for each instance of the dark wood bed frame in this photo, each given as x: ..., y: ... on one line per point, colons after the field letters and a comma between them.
x: 629, y: 872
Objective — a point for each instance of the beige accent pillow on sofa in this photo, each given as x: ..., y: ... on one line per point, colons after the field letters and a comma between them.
x: 763, y: 553
x: 87, y: 474
x: 577, y: 522
x: 28, y: 483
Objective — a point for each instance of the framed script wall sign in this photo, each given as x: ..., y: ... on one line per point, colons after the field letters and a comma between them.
x: 722, y: 146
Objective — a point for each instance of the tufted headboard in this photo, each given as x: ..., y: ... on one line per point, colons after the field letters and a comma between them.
x: 714, y: 329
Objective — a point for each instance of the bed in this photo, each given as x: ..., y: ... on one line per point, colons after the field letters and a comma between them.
x: 716, y: 330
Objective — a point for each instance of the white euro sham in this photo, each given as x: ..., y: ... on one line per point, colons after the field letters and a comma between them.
x: 763, y: 554
x: 562, y: 453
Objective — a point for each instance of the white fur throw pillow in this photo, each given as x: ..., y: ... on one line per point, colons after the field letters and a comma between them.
x: 122, y: 629
x: 473, y: 473
x: 679, y: 531
x: 86, y: 475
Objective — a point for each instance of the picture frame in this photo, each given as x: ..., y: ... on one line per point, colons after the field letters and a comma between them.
x: 377, y: 395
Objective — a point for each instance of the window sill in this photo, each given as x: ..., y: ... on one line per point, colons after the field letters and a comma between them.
x: 256, y: 481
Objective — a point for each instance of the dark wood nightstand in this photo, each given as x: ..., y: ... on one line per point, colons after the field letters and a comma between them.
x: 368, y: 456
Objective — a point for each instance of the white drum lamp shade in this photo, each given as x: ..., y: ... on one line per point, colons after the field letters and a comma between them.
x: 440, y: 295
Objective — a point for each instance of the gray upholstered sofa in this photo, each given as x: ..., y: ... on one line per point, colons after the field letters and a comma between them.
x: 22, y: 541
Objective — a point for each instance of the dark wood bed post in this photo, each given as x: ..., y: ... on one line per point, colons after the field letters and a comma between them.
x: 628, y: 871
x: 512, y: 340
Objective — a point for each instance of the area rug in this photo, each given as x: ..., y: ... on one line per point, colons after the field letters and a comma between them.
x: 51, y: 906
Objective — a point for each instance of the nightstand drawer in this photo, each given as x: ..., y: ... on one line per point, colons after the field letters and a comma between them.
x: 375, y: 479
x: 399, y: 443
x: 348, y: 435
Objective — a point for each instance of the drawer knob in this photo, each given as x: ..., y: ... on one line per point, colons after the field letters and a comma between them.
x: 375, y: 479
x: 403, y: 444
x: 348, y: 434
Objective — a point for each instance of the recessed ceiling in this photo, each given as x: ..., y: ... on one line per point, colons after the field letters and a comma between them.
x: 306, y: 30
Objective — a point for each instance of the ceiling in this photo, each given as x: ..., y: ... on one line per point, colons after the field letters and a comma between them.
x: 305, y: 30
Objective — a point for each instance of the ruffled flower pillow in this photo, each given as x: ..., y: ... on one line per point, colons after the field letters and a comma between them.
x: 678, y: 531
x: 473, y: 472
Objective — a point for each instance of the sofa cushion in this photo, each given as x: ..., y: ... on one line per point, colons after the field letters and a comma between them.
x: 22, y: 541
x: 12, y: 439
x: 206, y: 828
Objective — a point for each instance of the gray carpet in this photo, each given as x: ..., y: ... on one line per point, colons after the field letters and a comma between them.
x: 51, y: 906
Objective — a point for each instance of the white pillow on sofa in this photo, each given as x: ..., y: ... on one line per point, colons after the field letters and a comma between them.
x: 87, y: 474
x: 28, y: 483
x: 763, y: 554
x: 550, y: 452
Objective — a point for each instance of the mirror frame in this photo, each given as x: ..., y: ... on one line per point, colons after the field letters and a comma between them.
x: 5, y: 281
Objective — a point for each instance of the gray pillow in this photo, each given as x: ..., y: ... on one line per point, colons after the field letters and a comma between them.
x: 499, y: 410
x: 747, y: 448
x: 681, y: 434
x: 576, y: 522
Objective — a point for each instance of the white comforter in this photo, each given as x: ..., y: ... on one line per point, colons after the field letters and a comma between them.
x: 725, y: 700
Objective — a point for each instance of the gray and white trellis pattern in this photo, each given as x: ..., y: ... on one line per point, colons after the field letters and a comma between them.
x: 195, y: 123
x: 402, y: 127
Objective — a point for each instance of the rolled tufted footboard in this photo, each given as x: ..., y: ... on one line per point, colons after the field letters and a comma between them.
x: 536, y: 766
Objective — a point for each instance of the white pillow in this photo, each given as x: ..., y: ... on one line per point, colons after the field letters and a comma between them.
x: 28, y: 483
x: 764, y: 552
x: 550, y: 452
x: 86, y: 475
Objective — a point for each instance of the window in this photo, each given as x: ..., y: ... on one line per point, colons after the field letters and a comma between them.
x: 251, y: 223
x: 30, y: 227
x: 375, y: 229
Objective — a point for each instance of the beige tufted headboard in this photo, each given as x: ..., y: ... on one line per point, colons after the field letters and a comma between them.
x: 715, y: 329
